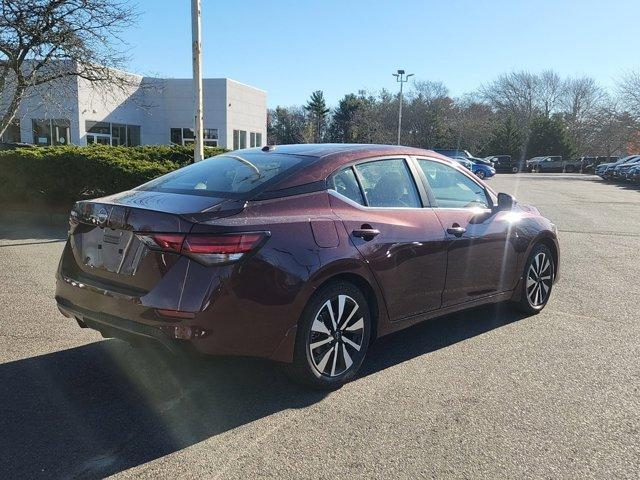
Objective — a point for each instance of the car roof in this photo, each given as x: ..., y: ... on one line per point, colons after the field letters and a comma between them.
x: 320, y: 150
x: 325, y: 158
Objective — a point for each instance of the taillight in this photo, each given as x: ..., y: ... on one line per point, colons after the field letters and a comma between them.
x: 205, y: 248
x: 168, y: 241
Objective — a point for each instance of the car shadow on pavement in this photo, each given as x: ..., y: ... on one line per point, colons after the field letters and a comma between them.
x: 99, y: 409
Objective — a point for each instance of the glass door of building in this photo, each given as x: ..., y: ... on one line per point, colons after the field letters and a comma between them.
x: 99, y: 138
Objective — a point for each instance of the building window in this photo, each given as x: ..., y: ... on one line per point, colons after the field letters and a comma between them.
x: 255, y: 139
x: 12, y: 133
x: 106, y: 133
x: 239, y: 139
x: 51, y: 132
x: 133, y: 135
x: 186, y: 136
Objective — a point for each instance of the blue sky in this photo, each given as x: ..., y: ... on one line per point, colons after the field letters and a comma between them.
x: 290, y: 48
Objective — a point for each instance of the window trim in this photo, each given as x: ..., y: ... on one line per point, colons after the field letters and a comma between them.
x: 459, y: 168
x: 422, y: 193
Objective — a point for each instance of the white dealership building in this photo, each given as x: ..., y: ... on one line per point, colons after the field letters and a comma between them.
x: 147, y: 110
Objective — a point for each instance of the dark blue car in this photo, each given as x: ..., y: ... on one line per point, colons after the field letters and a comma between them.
x: 482, y: 170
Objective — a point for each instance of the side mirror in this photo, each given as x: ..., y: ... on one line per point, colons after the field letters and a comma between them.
x: 505, y: 202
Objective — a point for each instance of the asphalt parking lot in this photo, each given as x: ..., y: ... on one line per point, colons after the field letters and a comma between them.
x: 481, y: 394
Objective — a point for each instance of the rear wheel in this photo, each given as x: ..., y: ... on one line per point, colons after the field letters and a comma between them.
x: 539, y: 273
x: 333, y: 336
x: 570, y: 169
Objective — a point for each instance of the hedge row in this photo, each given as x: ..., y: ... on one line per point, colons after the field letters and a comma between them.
x: 63, y: 174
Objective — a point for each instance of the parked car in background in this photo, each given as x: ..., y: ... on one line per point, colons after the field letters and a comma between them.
x: 620, y: 171
x: 504, y: 163
x: 221, y: 258
x: 453, y: 153
x: 605, y: 170
x: 552, y: 163
x: 483, y: 171
x: 633, y: 175
x: 609, y: 169
x: 480, y: 169
x: 466, y: 163
x: 589, y: 164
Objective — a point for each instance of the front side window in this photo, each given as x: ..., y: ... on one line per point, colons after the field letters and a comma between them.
x: 345, y: 183
x: 225, y: 175
x: 451, y: 188
x: 388, y: 183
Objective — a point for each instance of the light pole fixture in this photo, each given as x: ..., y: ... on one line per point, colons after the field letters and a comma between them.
x: 402, y: 78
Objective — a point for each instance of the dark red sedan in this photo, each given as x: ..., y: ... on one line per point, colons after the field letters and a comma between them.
x: 303, y: 254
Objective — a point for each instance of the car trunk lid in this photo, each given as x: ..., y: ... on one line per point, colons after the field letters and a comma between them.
x: 107, y: 235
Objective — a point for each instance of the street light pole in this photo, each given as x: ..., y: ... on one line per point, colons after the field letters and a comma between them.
x: 196, y: 48
x: 401, y: 78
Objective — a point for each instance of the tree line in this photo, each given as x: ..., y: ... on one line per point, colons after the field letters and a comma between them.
x: 521, y: 114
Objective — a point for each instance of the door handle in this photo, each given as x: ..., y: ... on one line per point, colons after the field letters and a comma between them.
x: 456, y: 230
x: 366, y: 233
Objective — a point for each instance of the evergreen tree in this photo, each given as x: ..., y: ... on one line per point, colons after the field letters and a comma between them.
x: 317, y: 109
x: 549, y: 136
x: 342, y: 125
x: 507, y: 139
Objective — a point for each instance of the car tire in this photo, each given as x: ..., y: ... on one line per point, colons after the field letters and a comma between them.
x: 480, y: 174
x: 569, y: 169
x: 345, y: 328
x: 537, y: 280
x: 515, y: 170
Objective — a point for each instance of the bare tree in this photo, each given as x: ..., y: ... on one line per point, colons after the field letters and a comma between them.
x: 515, y: 95
x: 44, y: 41
x: 629, y: 89
x: 427, y: 112
x: 582, y: 100
x: 614, y: 130
x: 549, y: 91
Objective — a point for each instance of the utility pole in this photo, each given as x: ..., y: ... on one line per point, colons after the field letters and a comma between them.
x: 401, y: 78
x: 196, y: 47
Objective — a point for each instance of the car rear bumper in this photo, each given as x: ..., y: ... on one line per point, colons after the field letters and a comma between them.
x: 111, y: 326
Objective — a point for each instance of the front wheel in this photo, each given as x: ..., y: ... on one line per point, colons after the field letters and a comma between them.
x: 480, y: 174
x: 333, y: 337
x: 515, y: 169
x: 539, y: 272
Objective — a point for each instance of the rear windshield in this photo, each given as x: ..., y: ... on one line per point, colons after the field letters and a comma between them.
x: 227, y: 175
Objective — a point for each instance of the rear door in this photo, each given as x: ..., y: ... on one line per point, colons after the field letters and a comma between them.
x: 481, y: 253
x: 382, y: 209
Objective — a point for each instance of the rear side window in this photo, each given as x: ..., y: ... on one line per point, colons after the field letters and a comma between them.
x: 451, y: 188
x: 227, y: 175
x: 345, y: 183
x: 388, y: 183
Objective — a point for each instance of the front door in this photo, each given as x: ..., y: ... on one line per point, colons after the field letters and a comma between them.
x: 98, y: 138
x: 481, y: 254
x: 404, y: 244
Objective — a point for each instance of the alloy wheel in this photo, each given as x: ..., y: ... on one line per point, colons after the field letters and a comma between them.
x: 539, y: 279
x: 337, y: 335
x: 480, y: 174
